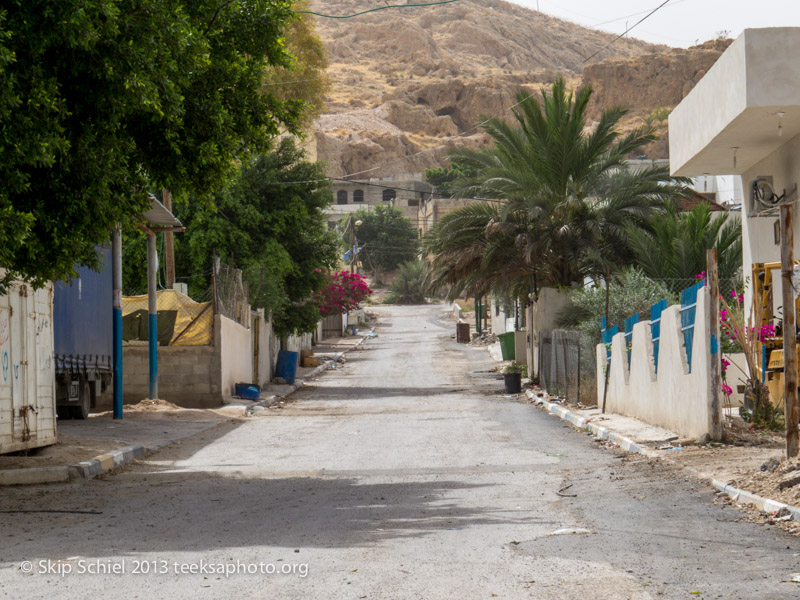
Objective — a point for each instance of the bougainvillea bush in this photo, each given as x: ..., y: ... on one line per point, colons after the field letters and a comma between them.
x: 342, y: 292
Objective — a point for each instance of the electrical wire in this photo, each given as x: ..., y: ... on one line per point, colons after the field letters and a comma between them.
x: 644, y: 18
x: 364, y: 12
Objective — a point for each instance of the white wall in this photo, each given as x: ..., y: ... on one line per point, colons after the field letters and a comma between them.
x: 499, y: 317
x: 674, y: 398
x: 543, y: 317
x: 235, y: 354
x: 758, y: 235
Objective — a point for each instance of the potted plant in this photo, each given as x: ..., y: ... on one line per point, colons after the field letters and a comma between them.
x: 512, y: 377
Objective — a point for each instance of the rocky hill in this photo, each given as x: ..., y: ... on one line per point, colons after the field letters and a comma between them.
x: 409, y: 83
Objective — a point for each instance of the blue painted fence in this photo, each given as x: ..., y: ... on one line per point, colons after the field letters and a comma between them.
x: 629, y: 323
x: 688, y: 310
x: 606, y: 335
x: 655, y: 327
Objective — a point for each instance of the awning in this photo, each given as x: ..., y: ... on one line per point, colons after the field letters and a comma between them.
x: 159, y: 218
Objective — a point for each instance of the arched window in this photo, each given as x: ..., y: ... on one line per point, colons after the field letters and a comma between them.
x: 389, y: 195
x: 341, y: 197
x: 358, y: 195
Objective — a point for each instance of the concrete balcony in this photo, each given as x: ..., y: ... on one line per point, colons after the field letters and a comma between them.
x: 735, y: 108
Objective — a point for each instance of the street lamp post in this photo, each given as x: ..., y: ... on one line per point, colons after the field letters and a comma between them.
x: 353, y: 251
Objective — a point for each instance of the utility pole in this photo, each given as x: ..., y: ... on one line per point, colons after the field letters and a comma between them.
x: 477, y: 314
x: 789, y: 330
x: 712, y: 280
x: 169, y: 244
x: 116, y: 265
x: 152, y: 313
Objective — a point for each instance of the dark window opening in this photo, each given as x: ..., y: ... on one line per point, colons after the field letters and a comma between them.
x: 358, y: 195
x: 341, y: 197
x: 389, y: 195
x: 413, y: 202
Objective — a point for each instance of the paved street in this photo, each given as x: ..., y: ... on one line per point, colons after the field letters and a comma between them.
x: 405, y: 475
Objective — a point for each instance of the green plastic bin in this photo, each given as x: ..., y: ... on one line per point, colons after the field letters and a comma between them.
x: 507, y: 346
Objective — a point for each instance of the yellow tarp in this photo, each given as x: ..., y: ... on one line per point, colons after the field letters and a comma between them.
x: 194, y: 325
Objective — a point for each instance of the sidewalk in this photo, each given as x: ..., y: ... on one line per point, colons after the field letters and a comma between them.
x: 101, y: 444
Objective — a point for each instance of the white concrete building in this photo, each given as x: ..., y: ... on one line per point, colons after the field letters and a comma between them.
x: 742, y: 121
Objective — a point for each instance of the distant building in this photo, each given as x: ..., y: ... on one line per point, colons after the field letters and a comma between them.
x: 406, y: 192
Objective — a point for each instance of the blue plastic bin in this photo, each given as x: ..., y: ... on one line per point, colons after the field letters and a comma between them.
x: 248, y: 391
x: 286, y: 367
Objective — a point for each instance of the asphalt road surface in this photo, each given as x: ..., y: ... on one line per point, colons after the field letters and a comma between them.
x: 404, y: 475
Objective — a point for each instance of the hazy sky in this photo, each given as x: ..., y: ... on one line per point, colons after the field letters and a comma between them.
x: 679, y: 23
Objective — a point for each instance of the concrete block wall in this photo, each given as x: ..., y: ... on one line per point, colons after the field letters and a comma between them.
x: 674, y: 397
x: 188, y: 376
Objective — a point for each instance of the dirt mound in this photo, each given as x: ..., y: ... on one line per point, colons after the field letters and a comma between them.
x: 151, y: 405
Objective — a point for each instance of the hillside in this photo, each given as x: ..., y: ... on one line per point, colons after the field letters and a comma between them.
x: 408, y: 83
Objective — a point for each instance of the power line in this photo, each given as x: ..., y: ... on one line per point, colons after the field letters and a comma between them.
x: 364, y: 12
x: 641, y: 12
x: 607, y: 46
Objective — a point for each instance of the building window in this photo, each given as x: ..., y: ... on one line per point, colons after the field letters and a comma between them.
x: 358, y: 195
x: 413, y: 202
x: 389, y: 195
x: 341, y: 197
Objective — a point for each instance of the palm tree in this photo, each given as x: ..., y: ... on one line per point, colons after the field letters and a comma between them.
x: 567, y: 201
x: 674, y: 249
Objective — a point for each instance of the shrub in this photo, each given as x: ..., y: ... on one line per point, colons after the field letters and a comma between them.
x: 409, y: 284
x: 343, y: 292
x: 629, y: 293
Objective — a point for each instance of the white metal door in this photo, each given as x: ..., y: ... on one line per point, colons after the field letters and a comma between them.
x: 16, y: 373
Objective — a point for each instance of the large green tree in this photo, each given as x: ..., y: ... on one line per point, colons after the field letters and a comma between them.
x: 101, y: 98
x: 564, y: 199
x: 305, y: 77
x: 269, y: 223
x: 386, y: 237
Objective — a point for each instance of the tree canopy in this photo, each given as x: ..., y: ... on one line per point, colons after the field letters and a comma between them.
x: 387, y: 238
x: 269, y: 223
x: 565, y: 199
x: 102, y: 98
x: 674, y: 248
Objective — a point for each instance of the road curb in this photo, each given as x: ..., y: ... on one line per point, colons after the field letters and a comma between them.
x: 34, y: 475
x: 89, y: 469
x: 737, y: 495
x: 107, y: 462
x: 315, y: 373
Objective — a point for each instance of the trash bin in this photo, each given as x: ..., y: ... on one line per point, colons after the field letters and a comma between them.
x: 248, y: 391
x: 507, y: 345
x: 462, y: 333
x: 286, y: 366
